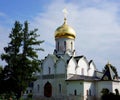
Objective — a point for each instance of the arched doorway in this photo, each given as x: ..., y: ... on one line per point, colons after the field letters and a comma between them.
x: 48, y: 90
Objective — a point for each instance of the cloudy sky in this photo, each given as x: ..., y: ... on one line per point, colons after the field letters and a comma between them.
x: 96, y: 22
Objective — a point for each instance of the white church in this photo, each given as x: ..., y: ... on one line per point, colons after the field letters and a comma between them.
x: 67, y: 76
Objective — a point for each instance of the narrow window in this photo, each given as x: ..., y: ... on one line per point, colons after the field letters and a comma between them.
x: 38, y: 87
x: 58, y: 46
x: 90, y: 92
x: 82, y: 71
x: 60, y: 88
x: 30, y: 91
x: 87, y: 93
x: 71, y: 45
x: 75, y: 92
x: 65, y: 45
x: 27, y: 92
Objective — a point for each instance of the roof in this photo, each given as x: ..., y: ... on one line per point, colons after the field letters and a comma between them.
x: 90, y: 62
x: 83, y: 78
x: 109, y: 74
x: 78, y: 57
x: 65, y: 31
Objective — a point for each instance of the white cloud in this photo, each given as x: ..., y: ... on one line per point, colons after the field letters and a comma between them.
x: 2, y: 14
x: 97, y: 29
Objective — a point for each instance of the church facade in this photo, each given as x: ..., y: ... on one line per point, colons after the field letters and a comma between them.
x: 66, y: 76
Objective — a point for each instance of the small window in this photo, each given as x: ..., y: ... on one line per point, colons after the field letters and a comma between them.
x: 75, y: 92
x: 87, y: 93
x: 27, y: 92
x: 58, y: 46
x: 38, y: 87
x: 60, y: 88
x: 30, y: 91
x: 82, y: 71
x: 71, y: 45
x: 90, y: 92
x: 65, y: 45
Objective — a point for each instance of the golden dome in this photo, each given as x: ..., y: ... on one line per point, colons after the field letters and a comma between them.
x: 65, y: 31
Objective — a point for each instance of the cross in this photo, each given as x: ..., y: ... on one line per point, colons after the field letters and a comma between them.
x: 65, y: 12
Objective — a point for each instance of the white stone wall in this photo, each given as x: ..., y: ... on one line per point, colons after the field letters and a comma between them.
x: 71, y: 66
x: 63, y: 92
x: 74, y: 85
x: 55, y: 87
x: 103, y: 84
x: 61, y: 67
x: 48, y: 63
x: 90, y: 87
x: 91, y: 70
x: 37, y: 91
x: 116, y: 85
x: 64, y: 44
x: 82, y: 66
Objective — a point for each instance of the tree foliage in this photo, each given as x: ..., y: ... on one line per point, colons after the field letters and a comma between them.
x: 21, y: 58
x: 107, y: 94
x: 1, y: 69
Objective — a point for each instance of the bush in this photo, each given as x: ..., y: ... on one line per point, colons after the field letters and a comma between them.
x: 112, y: 96
x: 29, y: 97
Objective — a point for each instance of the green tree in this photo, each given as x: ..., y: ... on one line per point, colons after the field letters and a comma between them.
x: 117, y: 91
x: 1, y: 69
x: 107, y: 94
x: 21, y: 58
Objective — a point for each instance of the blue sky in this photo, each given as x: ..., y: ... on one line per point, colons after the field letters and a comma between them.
x: 96, y: 22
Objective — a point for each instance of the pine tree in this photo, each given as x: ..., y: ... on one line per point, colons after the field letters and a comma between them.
x: 21, y: 58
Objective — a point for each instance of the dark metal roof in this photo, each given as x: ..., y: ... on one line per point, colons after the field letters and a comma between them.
x: 109, y: 74
x: 82, y: 77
